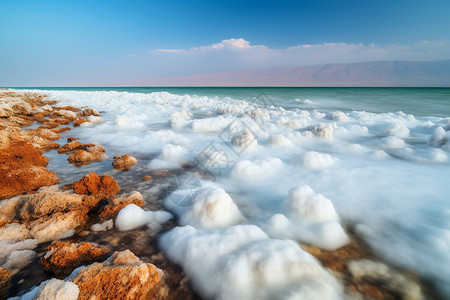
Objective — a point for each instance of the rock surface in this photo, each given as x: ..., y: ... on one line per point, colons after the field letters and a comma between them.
x: 22, y: 169
x: 122, y: 276
x: 93, y: 184
x: 64, y: 257
x: 5, y: 276
x: 92, y: 153
x: 124, y: 162
x: 112, y: 209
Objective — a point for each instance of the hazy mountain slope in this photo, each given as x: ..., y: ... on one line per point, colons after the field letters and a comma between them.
x: 377, y: 73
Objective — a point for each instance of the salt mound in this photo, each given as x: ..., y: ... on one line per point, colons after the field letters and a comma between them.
x: 132, y: 217
x: 323, y: 130
x: 244, y: 139
x: 337, y: 116
x: 246, y: 169
x: 305, y: 203
x: 309, y: 218
x: 212, y: 208
x: 392, y: 142
x: 171, y: 157
x: 317, y: 160
x: 440, y: 137
x: 397, y: 129
x: 241, y: 262
x: 279, y: 139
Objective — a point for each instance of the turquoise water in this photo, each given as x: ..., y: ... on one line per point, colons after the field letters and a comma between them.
x: 416, y: 101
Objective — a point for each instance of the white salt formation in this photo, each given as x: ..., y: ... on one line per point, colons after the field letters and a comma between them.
x: 241, y: 262
x: 132, y: 217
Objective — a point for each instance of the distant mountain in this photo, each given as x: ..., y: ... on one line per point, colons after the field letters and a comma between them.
x: 375, y: 73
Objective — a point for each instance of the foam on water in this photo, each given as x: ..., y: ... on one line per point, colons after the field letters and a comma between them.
x: 387, y: 172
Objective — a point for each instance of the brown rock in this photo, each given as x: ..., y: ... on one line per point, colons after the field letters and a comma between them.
x: 71, y: 146
x: 79, y: 121
x: 63, y: 257
x: 115, y: 205
x: 5, y: 276
x: 92, y: 153
x: 9, y: 210
x: 146, y: 178
x: 123, y: 276
x: 69, y: 108
x: 22, y: 170
x: 71, y: 139
x: 56, y: 226
x: 92, y: 184
x: 59, y: 130
x: 89, y: 112
x: 49, y: 200
x: 124, y: 162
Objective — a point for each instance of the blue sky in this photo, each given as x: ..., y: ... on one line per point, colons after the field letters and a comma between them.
x: 101, y: 42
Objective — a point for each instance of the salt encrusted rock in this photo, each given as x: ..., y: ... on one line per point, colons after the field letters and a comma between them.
x: 67, y: 114
x: 7, y: 247
x: 89, y: 112
x: 5, y: 276
x: 92, y: 153
x: 122, y: 276
x: 5, y: 110
x: 323, y: 130
x: 57, y: 226
x: 107, y: 225
x: 71, y: 146
x: 22, y: 169
x: 50, y: 200
x: 116, y: 205
x: 14, y: 232
x: 79, y: 121
x: 63, y: 257
x: 92, y: 184
x: 57, y: 289
x: 124, y: 162
x: 19, y: 259
x: 9, y: 209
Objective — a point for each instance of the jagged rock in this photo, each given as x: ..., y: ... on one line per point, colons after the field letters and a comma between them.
x: 116, y: 205
x: 57, y: 226
x: 79, y: 121
x: 93, y: 184
x: 63, y: 257
x: 122, y: 276
x: 67, y: 114
x: 89, y: 112
x: 9, y: 209
x: 5, y: 276
x: 124, y: 162
x: 22, y: 169
x: 92, y: 153
x: 49, y: 200
x: 19, y: 259
x: 55, y: 289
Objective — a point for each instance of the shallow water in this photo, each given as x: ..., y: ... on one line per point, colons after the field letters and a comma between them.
x: 373, y: 157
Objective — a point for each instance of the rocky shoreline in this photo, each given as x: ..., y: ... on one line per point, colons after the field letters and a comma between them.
x: 95, y: 259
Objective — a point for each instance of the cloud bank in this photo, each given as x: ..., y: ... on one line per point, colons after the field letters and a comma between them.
x: 233, y: 54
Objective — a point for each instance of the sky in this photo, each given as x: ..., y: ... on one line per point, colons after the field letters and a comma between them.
x: 69, y: 43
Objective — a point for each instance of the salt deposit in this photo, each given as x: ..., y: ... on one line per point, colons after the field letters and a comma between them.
x: 377, y: 168
x: 132, y: 217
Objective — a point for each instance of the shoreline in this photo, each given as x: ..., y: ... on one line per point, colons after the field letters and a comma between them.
x: 364, y: 286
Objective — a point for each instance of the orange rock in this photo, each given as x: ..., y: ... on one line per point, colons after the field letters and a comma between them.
x: 146, y: 178
x: 89, y: 112
x: 93, y: 152
x: 71, y: 146
x: 71, y: 139
x: 92, y: 184
x: 123, y: 276
x: 115, y: 205
x: 5, y: 276
x: 124, y: 162
x: 79, y: 121
x: 63, y: 257
x: 69, y: 108
x: 49, y: 200
x: 59, y: 130
x: 22, y: 169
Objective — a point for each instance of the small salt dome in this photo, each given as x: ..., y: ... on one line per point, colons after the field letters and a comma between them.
x: 305, y: 203
x: 392, y: 142
x: 323, y: 131
x: 440, y: 137
x: 317, y: 160
x: 212, y: 208
x: 244, y: 139
x: 397, y: 129
x: 337, y: 116
x: 280, y: 140
x: 132, y: 217
x: 181, y: 114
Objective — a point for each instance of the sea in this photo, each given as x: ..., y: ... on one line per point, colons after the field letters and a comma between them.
x: 264, y: 168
